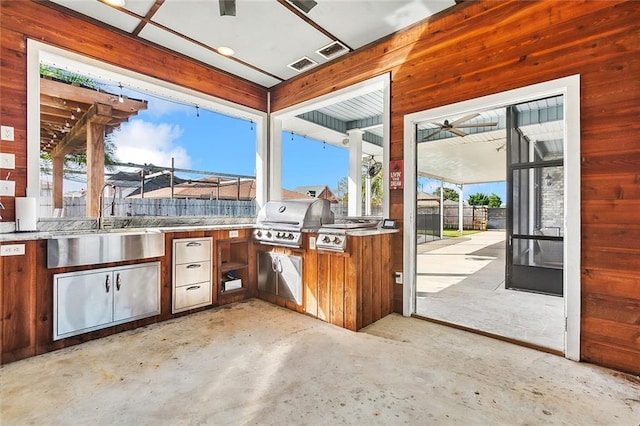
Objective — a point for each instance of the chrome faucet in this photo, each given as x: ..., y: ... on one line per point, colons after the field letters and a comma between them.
x: 101, y: 207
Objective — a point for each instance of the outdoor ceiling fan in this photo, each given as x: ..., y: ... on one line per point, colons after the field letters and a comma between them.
x: 455, y: 126
x: 228, y: 7
x: 373, y: 167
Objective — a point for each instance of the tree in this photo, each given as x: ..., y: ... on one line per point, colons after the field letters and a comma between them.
x: 480, y: 199
x: 494, y: 201
x: 448, y: 193
x: 342, y: 189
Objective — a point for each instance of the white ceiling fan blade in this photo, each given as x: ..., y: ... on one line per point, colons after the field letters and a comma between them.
x: 463, y: 119
x: 457, y: 132
x: 460, y: 126
x: 432, y: 134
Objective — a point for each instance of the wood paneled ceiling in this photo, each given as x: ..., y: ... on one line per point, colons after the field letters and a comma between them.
x: 266, y: 35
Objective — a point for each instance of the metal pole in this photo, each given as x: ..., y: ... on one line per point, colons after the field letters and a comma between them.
x: 441, y: 208
x: 142, y: 183
x: 173, y: 169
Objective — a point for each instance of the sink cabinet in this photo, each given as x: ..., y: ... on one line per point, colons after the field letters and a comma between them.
x: 90, y: 300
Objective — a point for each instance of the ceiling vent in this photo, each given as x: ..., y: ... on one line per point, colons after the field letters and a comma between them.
x: 302, y: 64
x: 332, y: 50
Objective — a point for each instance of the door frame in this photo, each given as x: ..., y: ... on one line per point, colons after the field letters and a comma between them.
x: 570, y: 88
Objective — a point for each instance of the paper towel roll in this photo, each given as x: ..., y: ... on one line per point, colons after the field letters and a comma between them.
x: 26, y: 214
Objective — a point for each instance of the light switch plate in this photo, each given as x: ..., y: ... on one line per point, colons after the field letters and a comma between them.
x: 7, y: 188
x: 233, y: 234
x: 7, y: 161
x: 12, y: 250
x: 6, y: 133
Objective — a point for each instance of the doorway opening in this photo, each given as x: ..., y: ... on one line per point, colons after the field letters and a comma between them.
x: 518, y: 281
x: 504, y: 277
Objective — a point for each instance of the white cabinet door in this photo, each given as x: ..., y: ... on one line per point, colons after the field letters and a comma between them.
x: 136, y: 292
x: 82, y: 302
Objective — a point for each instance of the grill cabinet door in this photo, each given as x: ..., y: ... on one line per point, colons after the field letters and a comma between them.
x: 289, y: 270
x: 266, y: 272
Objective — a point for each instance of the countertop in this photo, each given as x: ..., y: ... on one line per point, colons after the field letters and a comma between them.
x: 59, y: 228
x: 61, y: 233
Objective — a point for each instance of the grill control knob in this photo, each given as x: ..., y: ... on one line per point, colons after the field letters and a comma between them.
x: 259, y: 234
x: 326, y: 239
x: 337, y: 240
x: 291, y: 237
x: 268, y: 234
x: 279, y: 235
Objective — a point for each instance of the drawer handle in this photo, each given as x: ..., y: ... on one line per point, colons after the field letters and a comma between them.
x: 193, y: 287
x: 193, y: 244
x: 193, y: 265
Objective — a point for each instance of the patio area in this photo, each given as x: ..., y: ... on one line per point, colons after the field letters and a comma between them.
x: 461, y: 281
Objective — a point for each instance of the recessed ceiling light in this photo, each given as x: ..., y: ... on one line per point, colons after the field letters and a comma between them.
x: 226, y: 51
x: 119, y: 3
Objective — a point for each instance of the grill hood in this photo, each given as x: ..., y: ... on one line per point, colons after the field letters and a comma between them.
x: 307, y: 214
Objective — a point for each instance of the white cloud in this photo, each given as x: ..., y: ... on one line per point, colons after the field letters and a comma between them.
x: 142, y: 142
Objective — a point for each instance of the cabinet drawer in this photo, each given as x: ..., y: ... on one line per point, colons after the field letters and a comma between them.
x: 192, y: 296
x: 196, y: 250
x: 190, y: 273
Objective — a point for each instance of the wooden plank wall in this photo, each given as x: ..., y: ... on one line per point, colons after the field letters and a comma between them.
x: 20, y: 20
x: 471, y: 50
x: 479, y: 48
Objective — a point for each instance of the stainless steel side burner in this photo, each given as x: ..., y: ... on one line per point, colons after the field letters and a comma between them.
x: 333, y: 237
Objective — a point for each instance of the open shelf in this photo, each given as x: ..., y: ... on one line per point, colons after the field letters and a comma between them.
x: 233, y: 266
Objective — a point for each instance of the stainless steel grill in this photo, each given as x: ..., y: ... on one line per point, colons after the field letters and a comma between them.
x: 282, y: 223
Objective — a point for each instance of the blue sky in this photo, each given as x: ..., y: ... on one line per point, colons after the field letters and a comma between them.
x: 199, y: 139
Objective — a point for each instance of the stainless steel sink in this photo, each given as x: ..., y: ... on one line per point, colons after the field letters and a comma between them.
x: 92, y: 247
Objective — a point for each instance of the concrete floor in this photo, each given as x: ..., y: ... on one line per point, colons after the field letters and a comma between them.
x: 461, y: 281
x: 255, y: 363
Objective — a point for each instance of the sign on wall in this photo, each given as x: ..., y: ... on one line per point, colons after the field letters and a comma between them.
x: 395, y: 174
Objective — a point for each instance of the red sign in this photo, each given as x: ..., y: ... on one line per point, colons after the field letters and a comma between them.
x: 395, y: 174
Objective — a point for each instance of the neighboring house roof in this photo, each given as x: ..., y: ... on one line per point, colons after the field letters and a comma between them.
x: 212, y: 188
x: 316, y: 191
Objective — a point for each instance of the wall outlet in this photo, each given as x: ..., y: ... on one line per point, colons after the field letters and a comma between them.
x: 233, y: 234
x: 398, y: 276
x: 12, y: 250
x: 6, y: 133
x: 312, y: 243
x: 7, y: 161
x: 7, y: 188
